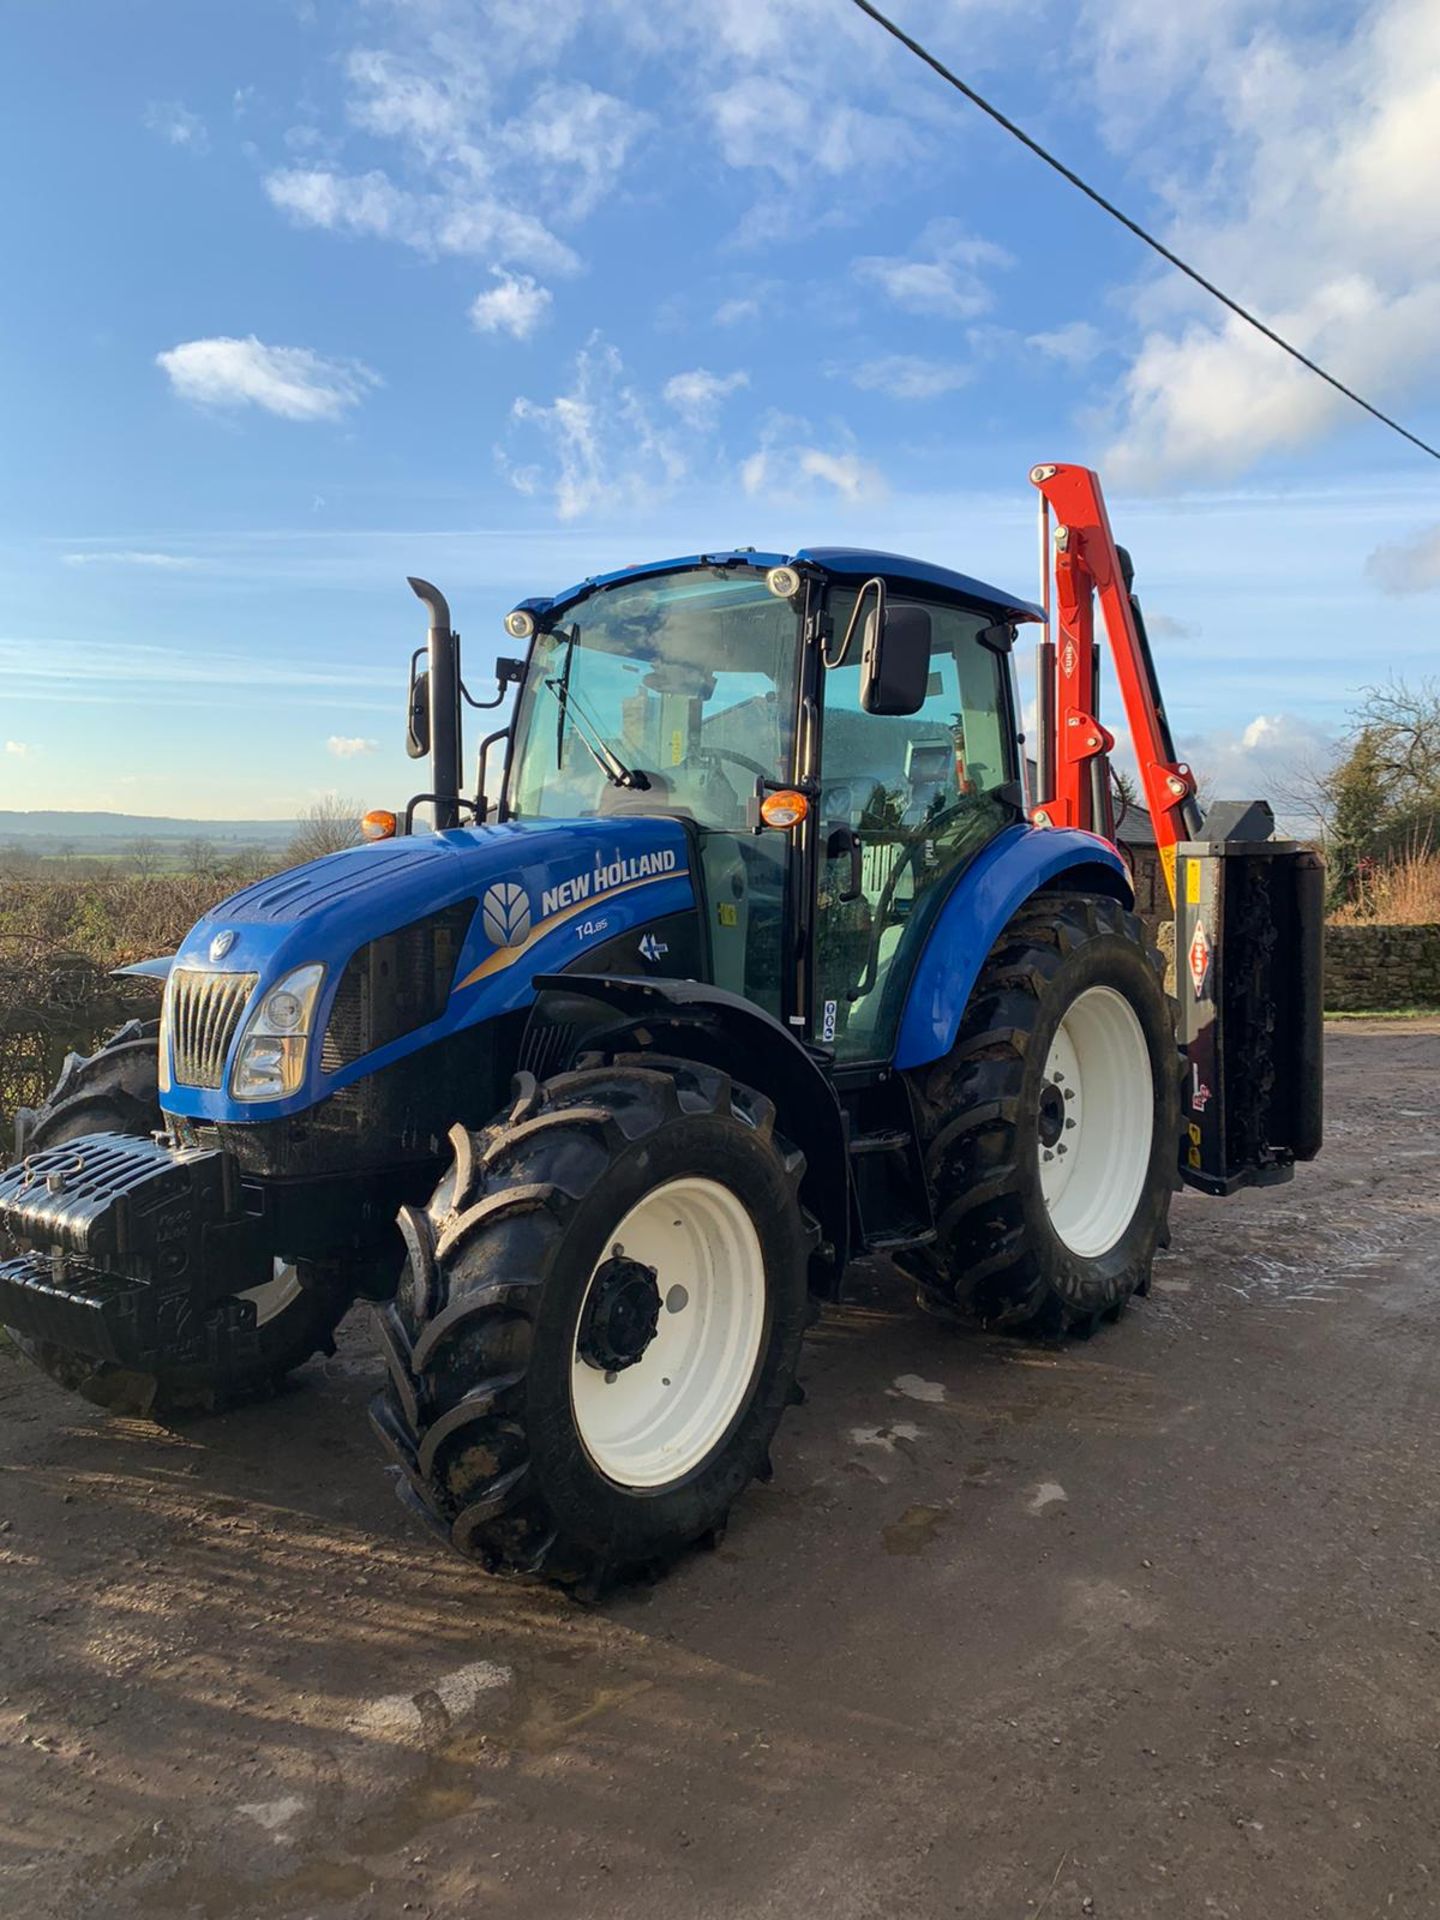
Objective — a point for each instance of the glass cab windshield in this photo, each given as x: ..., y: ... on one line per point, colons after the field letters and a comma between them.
x: 663, y: 695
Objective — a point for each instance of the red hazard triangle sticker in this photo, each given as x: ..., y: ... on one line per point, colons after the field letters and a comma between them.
x: 1200, y: 958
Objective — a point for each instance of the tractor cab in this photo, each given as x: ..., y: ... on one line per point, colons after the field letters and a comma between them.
x: 836, y: 731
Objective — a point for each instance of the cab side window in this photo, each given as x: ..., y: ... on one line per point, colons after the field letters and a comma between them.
x: 923, y: 794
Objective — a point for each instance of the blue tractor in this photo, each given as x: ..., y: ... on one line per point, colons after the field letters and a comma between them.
x: 753, y: 961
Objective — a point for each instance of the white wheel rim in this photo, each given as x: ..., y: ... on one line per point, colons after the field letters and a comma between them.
x: 1093, y: 1166
x: 653, y: 1422
x: 273, y: 1296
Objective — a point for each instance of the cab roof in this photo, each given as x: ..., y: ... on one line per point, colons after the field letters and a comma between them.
x: 839, y: 562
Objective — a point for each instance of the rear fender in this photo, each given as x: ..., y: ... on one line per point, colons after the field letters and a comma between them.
x: 579, y: 1012
x: 1018, y: 863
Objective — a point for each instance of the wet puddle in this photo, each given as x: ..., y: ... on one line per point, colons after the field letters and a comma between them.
x: 915, y: 1529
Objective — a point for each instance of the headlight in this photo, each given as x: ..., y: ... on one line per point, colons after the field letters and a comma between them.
x: 270, y: 1062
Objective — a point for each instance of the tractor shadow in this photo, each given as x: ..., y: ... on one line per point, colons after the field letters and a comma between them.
x: 230, y: 1632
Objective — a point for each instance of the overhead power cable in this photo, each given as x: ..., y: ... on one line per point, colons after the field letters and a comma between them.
x: 1108, y: 206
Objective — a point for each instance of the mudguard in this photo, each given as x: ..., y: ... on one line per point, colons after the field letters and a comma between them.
x: 1000, y: 879
x: 156, y: 969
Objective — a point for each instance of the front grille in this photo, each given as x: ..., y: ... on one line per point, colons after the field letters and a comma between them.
x: 394, y: 984
x: 205, y: 1009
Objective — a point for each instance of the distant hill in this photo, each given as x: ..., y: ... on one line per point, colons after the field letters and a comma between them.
x: 43, y: 830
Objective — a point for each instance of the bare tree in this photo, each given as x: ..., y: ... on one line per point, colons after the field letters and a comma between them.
x: 144, y: 857
x: 1303, y: 792
x: 17, y: 859
x: 200, y: 857
x: 1402, y: 727
x: 326, y: 826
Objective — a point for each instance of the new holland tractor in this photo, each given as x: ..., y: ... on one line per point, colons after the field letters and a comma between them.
x: 766, y: 949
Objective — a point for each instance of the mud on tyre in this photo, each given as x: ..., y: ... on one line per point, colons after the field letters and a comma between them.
x: 597, y: 1328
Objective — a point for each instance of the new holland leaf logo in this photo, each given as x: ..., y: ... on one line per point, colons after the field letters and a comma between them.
x: 505, y: 911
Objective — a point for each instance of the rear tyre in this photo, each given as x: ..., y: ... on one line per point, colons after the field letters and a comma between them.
x: 1051, y: 1129
x: 598, y: 1325
x: 296, y: 1311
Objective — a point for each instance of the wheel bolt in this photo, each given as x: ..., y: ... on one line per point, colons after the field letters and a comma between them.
x: 1069, y: 1124
x: 1069, y: 1093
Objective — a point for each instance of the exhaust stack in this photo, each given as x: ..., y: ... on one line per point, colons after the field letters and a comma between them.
x: 443, y: 695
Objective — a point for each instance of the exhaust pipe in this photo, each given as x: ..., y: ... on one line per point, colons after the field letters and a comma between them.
x: 444, y: 705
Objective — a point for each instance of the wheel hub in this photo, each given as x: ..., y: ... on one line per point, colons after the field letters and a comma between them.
x: 1052, y: 1115
x: 621, y: 1315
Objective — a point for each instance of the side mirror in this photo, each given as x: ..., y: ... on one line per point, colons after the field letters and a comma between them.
x: 895, y: 661
x: 417, y: 717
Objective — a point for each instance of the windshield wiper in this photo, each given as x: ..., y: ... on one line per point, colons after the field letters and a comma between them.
x: 591, y: 738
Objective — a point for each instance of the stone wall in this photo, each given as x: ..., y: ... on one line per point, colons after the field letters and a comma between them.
x: 1376, y: 969
x: 1367, y: 969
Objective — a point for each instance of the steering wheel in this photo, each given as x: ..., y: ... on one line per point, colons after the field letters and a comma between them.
x: 926, y: 830
x: 740, y: 759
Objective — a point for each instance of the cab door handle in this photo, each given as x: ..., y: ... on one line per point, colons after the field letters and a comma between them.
x: 841, y: 839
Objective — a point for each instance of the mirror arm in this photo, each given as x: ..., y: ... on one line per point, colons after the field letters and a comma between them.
x: 508, y: 673
x: 878, y: 585
x: 482, y: 706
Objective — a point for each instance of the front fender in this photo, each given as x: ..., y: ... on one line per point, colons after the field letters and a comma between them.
x: 156, y: 969
x: 998, y: 881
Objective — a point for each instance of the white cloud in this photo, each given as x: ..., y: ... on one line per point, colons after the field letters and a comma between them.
x: 571, y: 144
x: 465, y: 220
x: 1260, y: 760
x: 696, y: 396
x: 516, y: 304
x: 20, y: 749
x: 177, y: 125
x: 906, y: 376
x: 349, y: 746
x: 1164, y: 626
x: 1073, y: 345
x: 764, y: 121
x: 1310, y: 158
x: 784, y: 467
x: 1407, y: 566
x: 489, y: 126
x: 487, y: 184
x: 730, y: 313
x: 293, y: 382
x: 940, y: 277
x: 602, y: 447
x: 432, y: 110
x: 129, y: 557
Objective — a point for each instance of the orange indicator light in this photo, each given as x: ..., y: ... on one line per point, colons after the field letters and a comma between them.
x: 785, y: 809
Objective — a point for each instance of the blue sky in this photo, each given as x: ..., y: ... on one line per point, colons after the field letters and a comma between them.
x: 303, y: 298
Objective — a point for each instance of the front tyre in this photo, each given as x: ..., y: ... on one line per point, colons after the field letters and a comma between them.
x: 598, y: 1325
x: 1051, y: 1129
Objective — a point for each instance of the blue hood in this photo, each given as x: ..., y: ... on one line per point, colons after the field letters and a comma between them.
x: 544, y: 892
